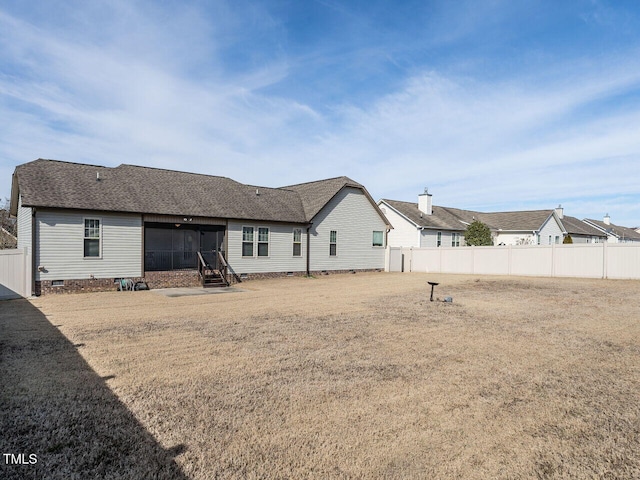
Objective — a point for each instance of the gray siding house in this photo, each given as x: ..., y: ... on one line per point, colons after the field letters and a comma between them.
x: 90, y: 226
x: 614, y: 233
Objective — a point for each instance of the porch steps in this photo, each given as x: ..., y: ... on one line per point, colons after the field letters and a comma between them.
x: 213, y: 278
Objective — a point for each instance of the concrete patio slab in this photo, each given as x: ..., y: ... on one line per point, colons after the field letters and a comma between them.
x: 186, y: 292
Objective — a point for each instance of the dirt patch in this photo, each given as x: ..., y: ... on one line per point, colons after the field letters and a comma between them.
x: 361, y: 376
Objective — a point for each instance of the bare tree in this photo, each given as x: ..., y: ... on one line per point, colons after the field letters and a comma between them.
x: 7, y: 227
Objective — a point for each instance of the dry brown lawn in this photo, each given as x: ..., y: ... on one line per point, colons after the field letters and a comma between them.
x: 343, y: 376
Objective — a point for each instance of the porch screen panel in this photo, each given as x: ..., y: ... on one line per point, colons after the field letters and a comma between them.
x: 170, y: 249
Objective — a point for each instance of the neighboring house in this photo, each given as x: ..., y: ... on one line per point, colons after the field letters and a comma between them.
x: 614, y: 233
x: 89, y: 226
x: 7, y: 239
x: 424, y: 225
x: 580, y: 232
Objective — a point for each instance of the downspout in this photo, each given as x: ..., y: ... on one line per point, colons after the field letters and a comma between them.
x: 33, y: 251
x: 309, y: 249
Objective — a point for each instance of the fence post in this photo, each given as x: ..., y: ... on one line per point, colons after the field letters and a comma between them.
x: 28, y: 273
x: 473, y: 260
x: 410, y: 259
x: 605, y: 266
x: 509, y: 260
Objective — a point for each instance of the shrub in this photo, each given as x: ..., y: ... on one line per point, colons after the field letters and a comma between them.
x: 478, y: 234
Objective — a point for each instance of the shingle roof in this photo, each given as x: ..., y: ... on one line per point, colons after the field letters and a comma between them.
x: 447, y: 218
x: 441, y: 218
x: 526, y: 220
x: 315, y: 195
x: 129, y: 188
x: 575, y: 226
x: 619, y: 231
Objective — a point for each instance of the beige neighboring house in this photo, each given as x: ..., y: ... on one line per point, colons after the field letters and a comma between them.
x: 614, y: 233
x: 422, y: 224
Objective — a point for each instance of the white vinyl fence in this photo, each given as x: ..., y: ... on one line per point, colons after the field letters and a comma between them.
x: 598, y: 260
x: 15, y: 273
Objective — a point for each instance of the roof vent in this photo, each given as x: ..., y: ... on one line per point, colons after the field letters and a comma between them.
x: 98, y: 177
x: 257, y: 192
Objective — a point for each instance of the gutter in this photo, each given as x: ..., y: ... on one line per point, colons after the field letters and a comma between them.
x: 309, y: 249
x: 33, y: 251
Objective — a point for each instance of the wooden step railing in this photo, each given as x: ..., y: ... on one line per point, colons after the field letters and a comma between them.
x: 208, y: 272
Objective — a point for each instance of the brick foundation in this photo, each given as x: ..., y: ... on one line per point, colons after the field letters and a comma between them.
x: 171, y: 279
x: 46, y: 287
x: 180, y: 278
x: 316, y: 273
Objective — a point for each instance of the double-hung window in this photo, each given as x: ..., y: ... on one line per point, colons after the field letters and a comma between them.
x: 91, y: 237
x: 297, y: 242
x: 263, y: 242
x: 455, y: 239
x: 378, y: 238
x: 247, y: 241
x: 333, y: 242
x: 439, y: 239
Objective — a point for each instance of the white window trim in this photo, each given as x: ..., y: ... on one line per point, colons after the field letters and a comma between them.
x: 100, y: 238
x: 293, y: 238
x: 372, y: 245
x: 268, y: 242
x: 253, y: 241
x: 333, y: 243
x: 455, y: 239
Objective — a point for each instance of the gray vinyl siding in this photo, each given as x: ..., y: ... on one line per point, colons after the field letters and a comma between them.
x: 280, y: 258
x: 550, y: 227
x: 60, y: 249
x: 354, y: 219
x: 24, y: 225
x: 429, y: 238
x: 581, y: 239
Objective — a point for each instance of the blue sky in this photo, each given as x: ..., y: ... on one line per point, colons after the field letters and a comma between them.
x: 493, y: 105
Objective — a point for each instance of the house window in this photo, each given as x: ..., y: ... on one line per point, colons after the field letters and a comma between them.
x: 91, y: 237
x: 557, y: 239
x: 297, y: 242
x: 538, y: 239
x: 263, y: 242
x: 439, y: 239
x: 247, y: 241
x: 378, y: 238
x: 455, y: 239
x: 333, y: 241
x: 550, y: 240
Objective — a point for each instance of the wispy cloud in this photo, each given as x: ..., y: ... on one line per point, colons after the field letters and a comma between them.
x: 161, y: 87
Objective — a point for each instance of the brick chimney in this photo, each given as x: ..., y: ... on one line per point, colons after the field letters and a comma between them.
x: 607, y: 219
x: 424, y: 202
